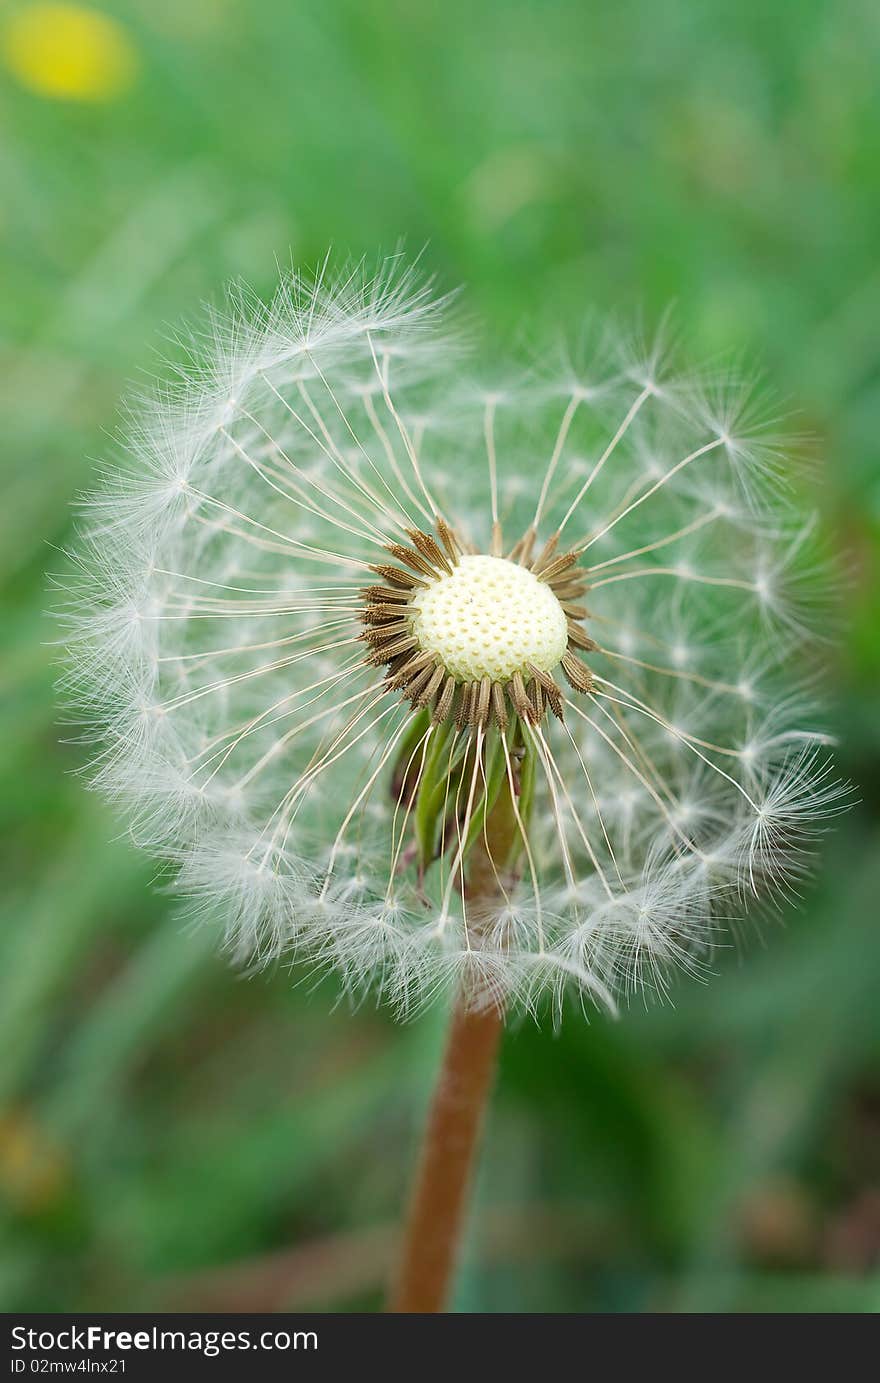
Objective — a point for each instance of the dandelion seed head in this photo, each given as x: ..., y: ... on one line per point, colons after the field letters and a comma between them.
x: 444, y: 683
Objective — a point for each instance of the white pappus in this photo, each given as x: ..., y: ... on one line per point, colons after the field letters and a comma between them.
x: 444, y: 683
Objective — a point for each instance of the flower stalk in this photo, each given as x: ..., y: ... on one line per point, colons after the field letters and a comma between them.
x: 436, y: 1214
x: 434, y: 1223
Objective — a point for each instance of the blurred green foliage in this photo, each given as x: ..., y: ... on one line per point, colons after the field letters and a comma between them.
x: 172, y: 1134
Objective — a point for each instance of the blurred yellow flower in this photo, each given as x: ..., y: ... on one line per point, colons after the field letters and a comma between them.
x: 33, y: 1172
x: 68, y: 52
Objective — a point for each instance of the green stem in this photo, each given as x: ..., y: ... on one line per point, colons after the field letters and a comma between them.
x: 432, y: 1231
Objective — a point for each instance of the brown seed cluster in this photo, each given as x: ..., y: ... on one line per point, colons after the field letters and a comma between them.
x: 421, y: 678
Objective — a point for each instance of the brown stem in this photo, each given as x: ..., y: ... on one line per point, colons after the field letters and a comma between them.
x: 434, y: 1221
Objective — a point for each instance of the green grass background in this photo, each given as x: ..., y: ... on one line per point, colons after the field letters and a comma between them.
x: 172, y: 1134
